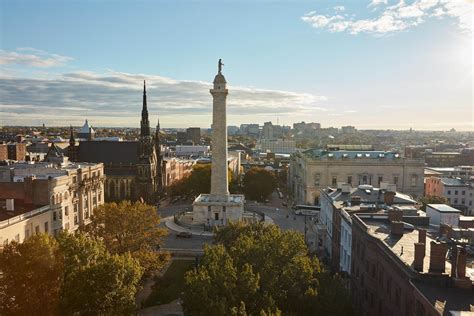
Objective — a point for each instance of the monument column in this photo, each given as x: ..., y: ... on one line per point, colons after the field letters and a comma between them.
x: 219, y: 168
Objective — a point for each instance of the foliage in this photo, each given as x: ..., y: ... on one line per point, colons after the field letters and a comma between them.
x: 96, y: 282
x: 259, y: 183
x: 32, y: 277
x: 432, y: 199
x: 256, y: 270
x: 169, y: 286
x: 130, y: 227
x: 73, y: 275
x: 198, y: 182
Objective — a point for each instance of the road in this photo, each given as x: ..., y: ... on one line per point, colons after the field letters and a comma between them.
x: 280, y: 214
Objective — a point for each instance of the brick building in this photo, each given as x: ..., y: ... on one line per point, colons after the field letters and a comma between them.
x: 13, y: 151
x: 398, y: 269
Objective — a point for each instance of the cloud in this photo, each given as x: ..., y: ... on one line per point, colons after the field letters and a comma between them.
x: 339, y: 8
x: 397, y: 17
x: 115, y: 99
x: 28, y: 56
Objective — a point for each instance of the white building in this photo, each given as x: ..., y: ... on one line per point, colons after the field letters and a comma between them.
x: 443, y: 214
x: 458, y: 191
x: 190, y: 150
x: 314, y: 169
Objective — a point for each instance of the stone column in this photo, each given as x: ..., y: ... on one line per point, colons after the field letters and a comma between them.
x: 219, y: 177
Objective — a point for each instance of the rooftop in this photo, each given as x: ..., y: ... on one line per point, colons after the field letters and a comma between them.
x: 210, y: 198
x: 368, y: 194
x: 20, y: 208
x: 443, y: 208
x: 350, y: 154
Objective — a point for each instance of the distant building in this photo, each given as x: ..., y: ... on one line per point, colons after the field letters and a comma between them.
x: 86, y: 131
x: 194, y: 135
x: 13, y: 151
x: 278, y: 146
x: 442, y: 214
x: 348, y: 129
x: 232, y: 130
x: 190, y: 150
x: 443, y: 159
x: 458, y: 191
x: 267, y: 130
x: 182, y: 138
x: 314, y: 169
x: 133, y: 169
x: 175, y: 169
x: 398, y: 269
x: 47, y: 197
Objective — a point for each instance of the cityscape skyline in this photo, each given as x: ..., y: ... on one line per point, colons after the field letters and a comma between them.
x: 373, y: 65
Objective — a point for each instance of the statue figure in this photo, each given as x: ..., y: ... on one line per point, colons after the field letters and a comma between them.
x: 220, y: 65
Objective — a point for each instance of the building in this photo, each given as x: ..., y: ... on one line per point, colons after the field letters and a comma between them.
x: 443, y: 159
x: 194, y: 135
x: 182, y: 138
x: 348, y: 129
x: 267, y: 130
x: 400, y: 269
x: 278, y: 146
x: 440, y: 214
x: 47, y: 197
x: 334, y: 232
x: 175, y: 169
x: 314, y: 169
x: 133, y: 169
x: 86, y: 131
x: 13, y: 151
x: 191, y: 150
x: 219, y: 207
x: 458, y: 191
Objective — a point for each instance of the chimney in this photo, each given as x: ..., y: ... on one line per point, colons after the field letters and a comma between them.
x: 420, y: 250
x: 395, y: 215
x: 388, y: 197
x: 10, y: 205
x: 355, y: 200
x: 458, y: 265
x: 397, y: 228
x: 422, y: 236
x: 438, y: 256
x: 345, y: 188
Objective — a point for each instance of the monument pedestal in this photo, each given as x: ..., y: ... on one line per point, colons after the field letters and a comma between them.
x: 217, y: 210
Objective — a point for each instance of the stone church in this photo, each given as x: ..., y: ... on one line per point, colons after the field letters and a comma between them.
x: 132, y: 168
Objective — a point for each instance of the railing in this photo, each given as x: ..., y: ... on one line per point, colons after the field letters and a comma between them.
x: 21, y: 217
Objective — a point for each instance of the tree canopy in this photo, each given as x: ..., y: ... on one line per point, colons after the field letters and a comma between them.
x: 73, y: 275
x: 432, y: 199
x: 259, y: 183
x: 130, y: 227
x: 257, y: 269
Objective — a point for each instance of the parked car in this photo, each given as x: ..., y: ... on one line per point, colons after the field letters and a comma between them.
x: 184, y: 235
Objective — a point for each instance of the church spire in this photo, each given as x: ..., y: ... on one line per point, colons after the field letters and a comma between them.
x: 144, y: 124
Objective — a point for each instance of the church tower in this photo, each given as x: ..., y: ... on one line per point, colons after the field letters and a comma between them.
x: 72, y: 150
x: 159, y: 173
x: 146, y: 166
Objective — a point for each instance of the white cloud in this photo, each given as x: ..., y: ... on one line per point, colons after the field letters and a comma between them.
x: 28, y: 56
x: 339, y: 8
x: 114, y: 99
x: 397, y: 17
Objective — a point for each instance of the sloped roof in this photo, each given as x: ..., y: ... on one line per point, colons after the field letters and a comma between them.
x: 109, y: 152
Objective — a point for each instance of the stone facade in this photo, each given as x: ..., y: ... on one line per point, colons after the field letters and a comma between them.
x: 314, y: 169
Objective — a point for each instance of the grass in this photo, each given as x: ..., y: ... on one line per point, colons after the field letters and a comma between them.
x: 169, y: 287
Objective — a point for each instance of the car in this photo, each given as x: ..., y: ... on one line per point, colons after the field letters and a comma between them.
x: 184, y: 235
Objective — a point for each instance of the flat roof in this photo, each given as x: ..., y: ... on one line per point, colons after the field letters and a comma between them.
x: 19, y: 208
x: 456, y: 299
x: 443, y: 208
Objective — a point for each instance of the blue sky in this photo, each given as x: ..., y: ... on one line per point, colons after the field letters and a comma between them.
x: 372, y: 64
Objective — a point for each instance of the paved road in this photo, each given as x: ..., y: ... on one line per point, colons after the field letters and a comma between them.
x: 280, y: 214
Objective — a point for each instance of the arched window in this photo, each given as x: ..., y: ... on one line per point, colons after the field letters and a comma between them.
x: 112, y: 189
x: 122, y: 189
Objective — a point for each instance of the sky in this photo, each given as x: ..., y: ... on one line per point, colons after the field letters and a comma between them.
x: 375, y: 64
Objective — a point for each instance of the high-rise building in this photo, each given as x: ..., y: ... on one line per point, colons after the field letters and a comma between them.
x: 194, y: 135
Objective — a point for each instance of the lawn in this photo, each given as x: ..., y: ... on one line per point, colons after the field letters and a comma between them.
x: 169, y: 286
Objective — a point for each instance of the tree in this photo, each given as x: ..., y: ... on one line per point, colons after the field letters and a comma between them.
x: 432, y: 199
x: 130, y: 227
x: 96, y: 282
x: 256, y: 269
x: 259, y: 183
x: 32, y: 276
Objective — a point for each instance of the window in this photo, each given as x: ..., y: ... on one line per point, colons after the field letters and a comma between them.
x: 380, y: 180
x: 27, y: 233
x: 463, y: 192
x: 316, y: 179
x: 364, y: 180
x: 463, y: 201
x: 216, y: 216
x: 455, y: 192
x: 17, y: 237
x: 37, y: 229
x: 46, y: 228
x: 334, y: 181
x: 455, y: 201
x: 66, y: 210
x: 54, y: 216
x: 414, y: 180
x: 349, y: 180
x: 449, y: 191
x: 395, y: 180
x: 76, y: 221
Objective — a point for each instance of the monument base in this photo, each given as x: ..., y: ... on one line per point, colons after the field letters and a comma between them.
x: 213, y: 210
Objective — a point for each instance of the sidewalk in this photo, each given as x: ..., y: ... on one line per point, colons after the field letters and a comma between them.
x: 169, y: 222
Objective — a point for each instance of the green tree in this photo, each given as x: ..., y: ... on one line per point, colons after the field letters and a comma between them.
x: 259, y: 183
x: 130, y: 227
x: 432, y: 199
x: 32, y: 276
x: 96, y: 282
x: 257, y: 269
